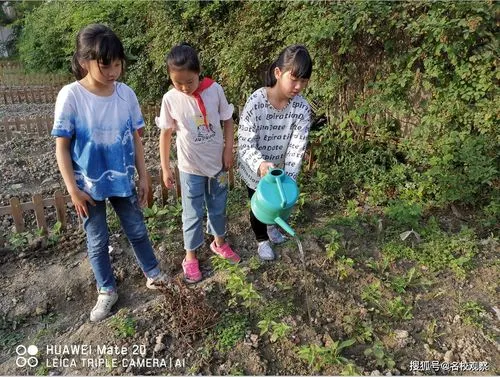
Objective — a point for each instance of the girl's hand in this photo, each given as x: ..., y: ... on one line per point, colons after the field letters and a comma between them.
x: 227, y: 158
x: 168, y: 178
x: 143, y: 191
x: 80, y: 199
x: 264, y: 168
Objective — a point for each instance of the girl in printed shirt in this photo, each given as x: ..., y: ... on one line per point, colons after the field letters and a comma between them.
x: 195, y: 108
x: 273, y: 131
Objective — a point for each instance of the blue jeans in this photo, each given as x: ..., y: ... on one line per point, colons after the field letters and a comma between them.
x: 197, y: 192
x: 132, y: 221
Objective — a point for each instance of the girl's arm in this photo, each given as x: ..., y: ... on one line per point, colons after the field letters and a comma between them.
x: 78, y: 197
x: 227, y: 157
x: 297, y: 146
x: 140, y: 165
x: 165, y: 144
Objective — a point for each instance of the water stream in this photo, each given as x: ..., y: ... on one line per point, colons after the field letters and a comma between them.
x: 302, y: 259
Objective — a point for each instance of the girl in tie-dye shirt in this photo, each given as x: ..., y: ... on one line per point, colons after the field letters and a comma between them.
x: 98, y: 149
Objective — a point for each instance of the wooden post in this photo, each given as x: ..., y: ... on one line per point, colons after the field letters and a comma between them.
x: 230, y: 175
x: 17, y: 214
x: 39, y: 213
x: 60, y: 208
x: 177, y: 182
x: 8, y: 134
x: 164, y: 189
x: 48, y: 123
x: 150, y: 190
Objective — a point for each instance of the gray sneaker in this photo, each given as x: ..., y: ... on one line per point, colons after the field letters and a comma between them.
x: 160, y: 280
x: 103, y: 307
x: 275, y: 236
x: 265, y: 251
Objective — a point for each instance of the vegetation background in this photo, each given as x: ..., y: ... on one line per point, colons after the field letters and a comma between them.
x: 405, y: 93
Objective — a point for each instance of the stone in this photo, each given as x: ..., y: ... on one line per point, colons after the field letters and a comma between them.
x: 448, y: 356
x: 159, y: 339
x: 375, y: 373
x: 41, y: 309
x: 159, y: 347
x: 401, y: 334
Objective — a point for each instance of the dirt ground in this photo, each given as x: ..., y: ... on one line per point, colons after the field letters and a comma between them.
x: 436, y: 324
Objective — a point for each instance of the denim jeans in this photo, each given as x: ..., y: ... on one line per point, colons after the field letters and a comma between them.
x: 130, y: 214
x: 197, y: 192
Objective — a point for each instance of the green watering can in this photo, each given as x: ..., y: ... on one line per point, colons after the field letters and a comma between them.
x: 274, y: 197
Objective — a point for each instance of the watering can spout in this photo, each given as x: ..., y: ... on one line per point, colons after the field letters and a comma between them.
x: 282, y: 223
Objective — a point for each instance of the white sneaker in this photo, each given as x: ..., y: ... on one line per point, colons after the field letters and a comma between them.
x: 265, y: 251
x: 275, y: 236
x: 160, y: 280
x: 103, y: 307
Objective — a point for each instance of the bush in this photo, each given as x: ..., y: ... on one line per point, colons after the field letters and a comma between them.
x: 407, y: 89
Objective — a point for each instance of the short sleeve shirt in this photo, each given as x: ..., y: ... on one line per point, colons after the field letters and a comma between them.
x: 101, y: 130
x: 199, y: 146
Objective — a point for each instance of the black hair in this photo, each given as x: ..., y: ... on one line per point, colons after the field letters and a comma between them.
x: 294, y: 58
x: 96, y: 42
x: 183, y: 57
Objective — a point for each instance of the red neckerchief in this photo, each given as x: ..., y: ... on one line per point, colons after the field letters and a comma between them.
x: 204, y: 84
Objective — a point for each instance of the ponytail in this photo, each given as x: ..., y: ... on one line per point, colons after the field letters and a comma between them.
x: 78, y: 71
x: 270, y: 78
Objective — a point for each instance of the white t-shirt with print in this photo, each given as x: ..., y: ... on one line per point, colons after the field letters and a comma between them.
x: 268, y: 134
x: 199, y: 148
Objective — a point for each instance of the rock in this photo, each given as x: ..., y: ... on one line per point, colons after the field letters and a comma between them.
x: 375, y: 373
x: 54, y: 373
x: 401, y: 334
x: 22, y: 255
x: 159, y: 339
x: 448, y: 356
x: 48, y: 181
x: 254, y: 338
x: 41, y: 309
x: 159, y: 347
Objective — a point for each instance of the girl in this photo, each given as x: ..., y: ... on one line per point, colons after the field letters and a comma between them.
x: 273, y: 131
x: 194, y: 108
x: 98, y: 149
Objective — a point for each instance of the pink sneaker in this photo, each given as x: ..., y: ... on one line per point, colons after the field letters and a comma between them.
x: 225, y: 251
x: 192, y: 273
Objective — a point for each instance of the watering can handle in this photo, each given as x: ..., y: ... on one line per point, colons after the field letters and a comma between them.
x: 282, y: 193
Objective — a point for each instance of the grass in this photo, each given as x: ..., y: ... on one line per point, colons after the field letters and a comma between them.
x: 9, y: 334
x: 122, y: 324
x: 230, y: 330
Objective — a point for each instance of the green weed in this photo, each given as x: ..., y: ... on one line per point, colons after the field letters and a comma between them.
x: 230, y: 331
x: 320, y: 356
x: 439, y: 251
x: 344, y: 267
x: 382, y: 359
x: 396, y: 308
x: 404, y: 213
x: 123, y: 324
x: 42, y: 370
x: 9, y: 334
x: 431, y: 333
x: 472, y: 313
x: 19, y: 241
x: 276, y: 330
x: 236, y: 283
x: 334, y: 244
